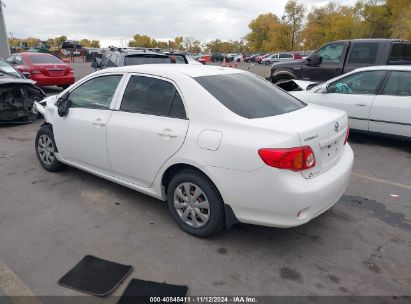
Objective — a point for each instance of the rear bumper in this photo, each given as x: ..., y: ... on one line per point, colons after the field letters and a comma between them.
x: 43, y: 80
x: 281, y: 198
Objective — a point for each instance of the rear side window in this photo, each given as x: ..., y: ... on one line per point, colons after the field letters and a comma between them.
x: 152, y: 96
x: 365, y: 53
x: 401, y: 51
x: 249, y: 96
x: 145, y: 59
x: 286, y: 56
x: 398, y: 84
x: 44, y: 59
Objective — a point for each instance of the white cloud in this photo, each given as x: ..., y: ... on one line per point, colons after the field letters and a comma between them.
x: 115, y: 21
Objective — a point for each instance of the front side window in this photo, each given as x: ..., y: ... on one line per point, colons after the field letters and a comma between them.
x: 152, y: 96
x: 359, y: 83
x: 97, y: 93
x: 331, y: 53
x: 249, y: 96
x: 398, y: 84
x: 364, y: 53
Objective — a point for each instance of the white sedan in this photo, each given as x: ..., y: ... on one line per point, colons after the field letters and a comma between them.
x: 252, y: 154
x: 377, y: 99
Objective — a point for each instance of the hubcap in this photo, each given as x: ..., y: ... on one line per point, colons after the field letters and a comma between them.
x: 191, y: 205
x: 45, y: 149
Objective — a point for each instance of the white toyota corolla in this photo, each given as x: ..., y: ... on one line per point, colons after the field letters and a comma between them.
x: 220, y: 145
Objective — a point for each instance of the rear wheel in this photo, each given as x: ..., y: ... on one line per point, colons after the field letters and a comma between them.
x: 195, y: 203
x: 46, y: 149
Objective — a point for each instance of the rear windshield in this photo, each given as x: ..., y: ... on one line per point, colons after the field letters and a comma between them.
x: 145, y: 59
x: 40, y: 59
x: 401, y: 51
x: 249, y: 96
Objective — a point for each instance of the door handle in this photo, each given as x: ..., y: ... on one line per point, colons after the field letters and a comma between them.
x: 98, y: 123
x: 167, y: 133
x: 360, y: 105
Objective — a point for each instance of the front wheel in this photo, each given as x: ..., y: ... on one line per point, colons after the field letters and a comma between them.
x: 267, y: 63
x: 195, y: 203
x: 46, y: 149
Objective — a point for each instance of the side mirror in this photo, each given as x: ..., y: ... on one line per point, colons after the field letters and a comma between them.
x: 314, y: 60
x: 96, y: 63
x: 63, y: 105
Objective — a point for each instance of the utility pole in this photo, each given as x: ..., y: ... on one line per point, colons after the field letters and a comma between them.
x: 4, y: 41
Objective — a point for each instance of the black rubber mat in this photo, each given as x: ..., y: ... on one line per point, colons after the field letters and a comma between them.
x: 139, y: 291
x: 95, y: 276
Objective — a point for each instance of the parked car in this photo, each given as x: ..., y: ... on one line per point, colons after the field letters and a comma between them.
x: 124, y: 57
x: 251, y: 58
x: 234, y: 57
x: 182, y: 58
x: 281, y: 57
x: 217, y: 57
x: 340, y: 57
x: 176, y: 133
x: 377, y: 99
x: 261, y: 57
x: 44, y: 69
x: 17, y: 94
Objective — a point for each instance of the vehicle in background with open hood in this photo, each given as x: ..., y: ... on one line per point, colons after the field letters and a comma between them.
x: 17, y: 94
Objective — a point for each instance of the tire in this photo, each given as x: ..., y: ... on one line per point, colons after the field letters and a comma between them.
x: 212, y: 220
x: 46, y: 149
x: 267, y: 63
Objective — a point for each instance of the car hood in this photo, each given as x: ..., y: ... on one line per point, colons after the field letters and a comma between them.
x: 6, y: 80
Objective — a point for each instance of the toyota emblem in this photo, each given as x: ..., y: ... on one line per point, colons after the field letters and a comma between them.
x: 336, y: 127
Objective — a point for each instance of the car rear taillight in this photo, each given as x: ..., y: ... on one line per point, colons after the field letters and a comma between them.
x: 347, y: 135
x: 295, y: 159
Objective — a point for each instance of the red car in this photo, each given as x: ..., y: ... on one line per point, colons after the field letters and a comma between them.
x: 260, y: 58
x: 44, y: 69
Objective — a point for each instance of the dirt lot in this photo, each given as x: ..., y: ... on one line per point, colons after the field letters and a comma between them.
x: 48, y: 222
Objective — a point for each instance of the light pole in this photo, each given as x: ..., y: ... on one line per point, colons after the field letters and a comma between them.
x: 4, y: 41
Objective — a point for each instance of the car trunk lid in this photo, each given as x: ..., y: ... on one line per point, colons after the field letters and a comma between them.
x: 53, y: 70
x: 322, y: 129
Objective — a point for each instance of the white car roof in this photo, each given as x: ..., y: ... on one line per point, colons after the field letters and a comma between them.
x: 169, y: 70
x: 386, y: 68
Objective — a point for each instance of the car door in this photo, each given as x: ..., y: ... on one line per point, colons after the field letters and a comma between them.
x: 391, y: 110
x: 332, y: 62
x: 354, y: 93
x: 149, y: 126
x: 81, y: 135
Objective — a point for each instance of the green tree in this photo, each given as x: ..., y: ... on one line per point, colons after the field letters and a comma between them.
x: 294, y: 16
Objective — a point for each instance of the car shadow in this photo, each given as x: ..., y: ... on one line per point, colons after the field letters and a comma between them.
x: 380, y: 140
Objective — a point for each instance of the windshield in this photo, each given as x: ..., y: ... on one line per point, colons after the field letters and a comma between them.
x: 249, y: 96
x: 6, y: 69
x: 44, y: 59
x: 145, y: 59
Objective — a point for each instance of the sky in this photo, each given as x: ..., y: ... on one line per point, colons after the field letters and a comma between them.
x: 115, y: 22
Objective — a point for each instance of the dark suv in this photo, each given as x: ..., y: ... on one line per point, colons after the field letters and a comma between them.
x: 343, y: 56
x: 117, y: 58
